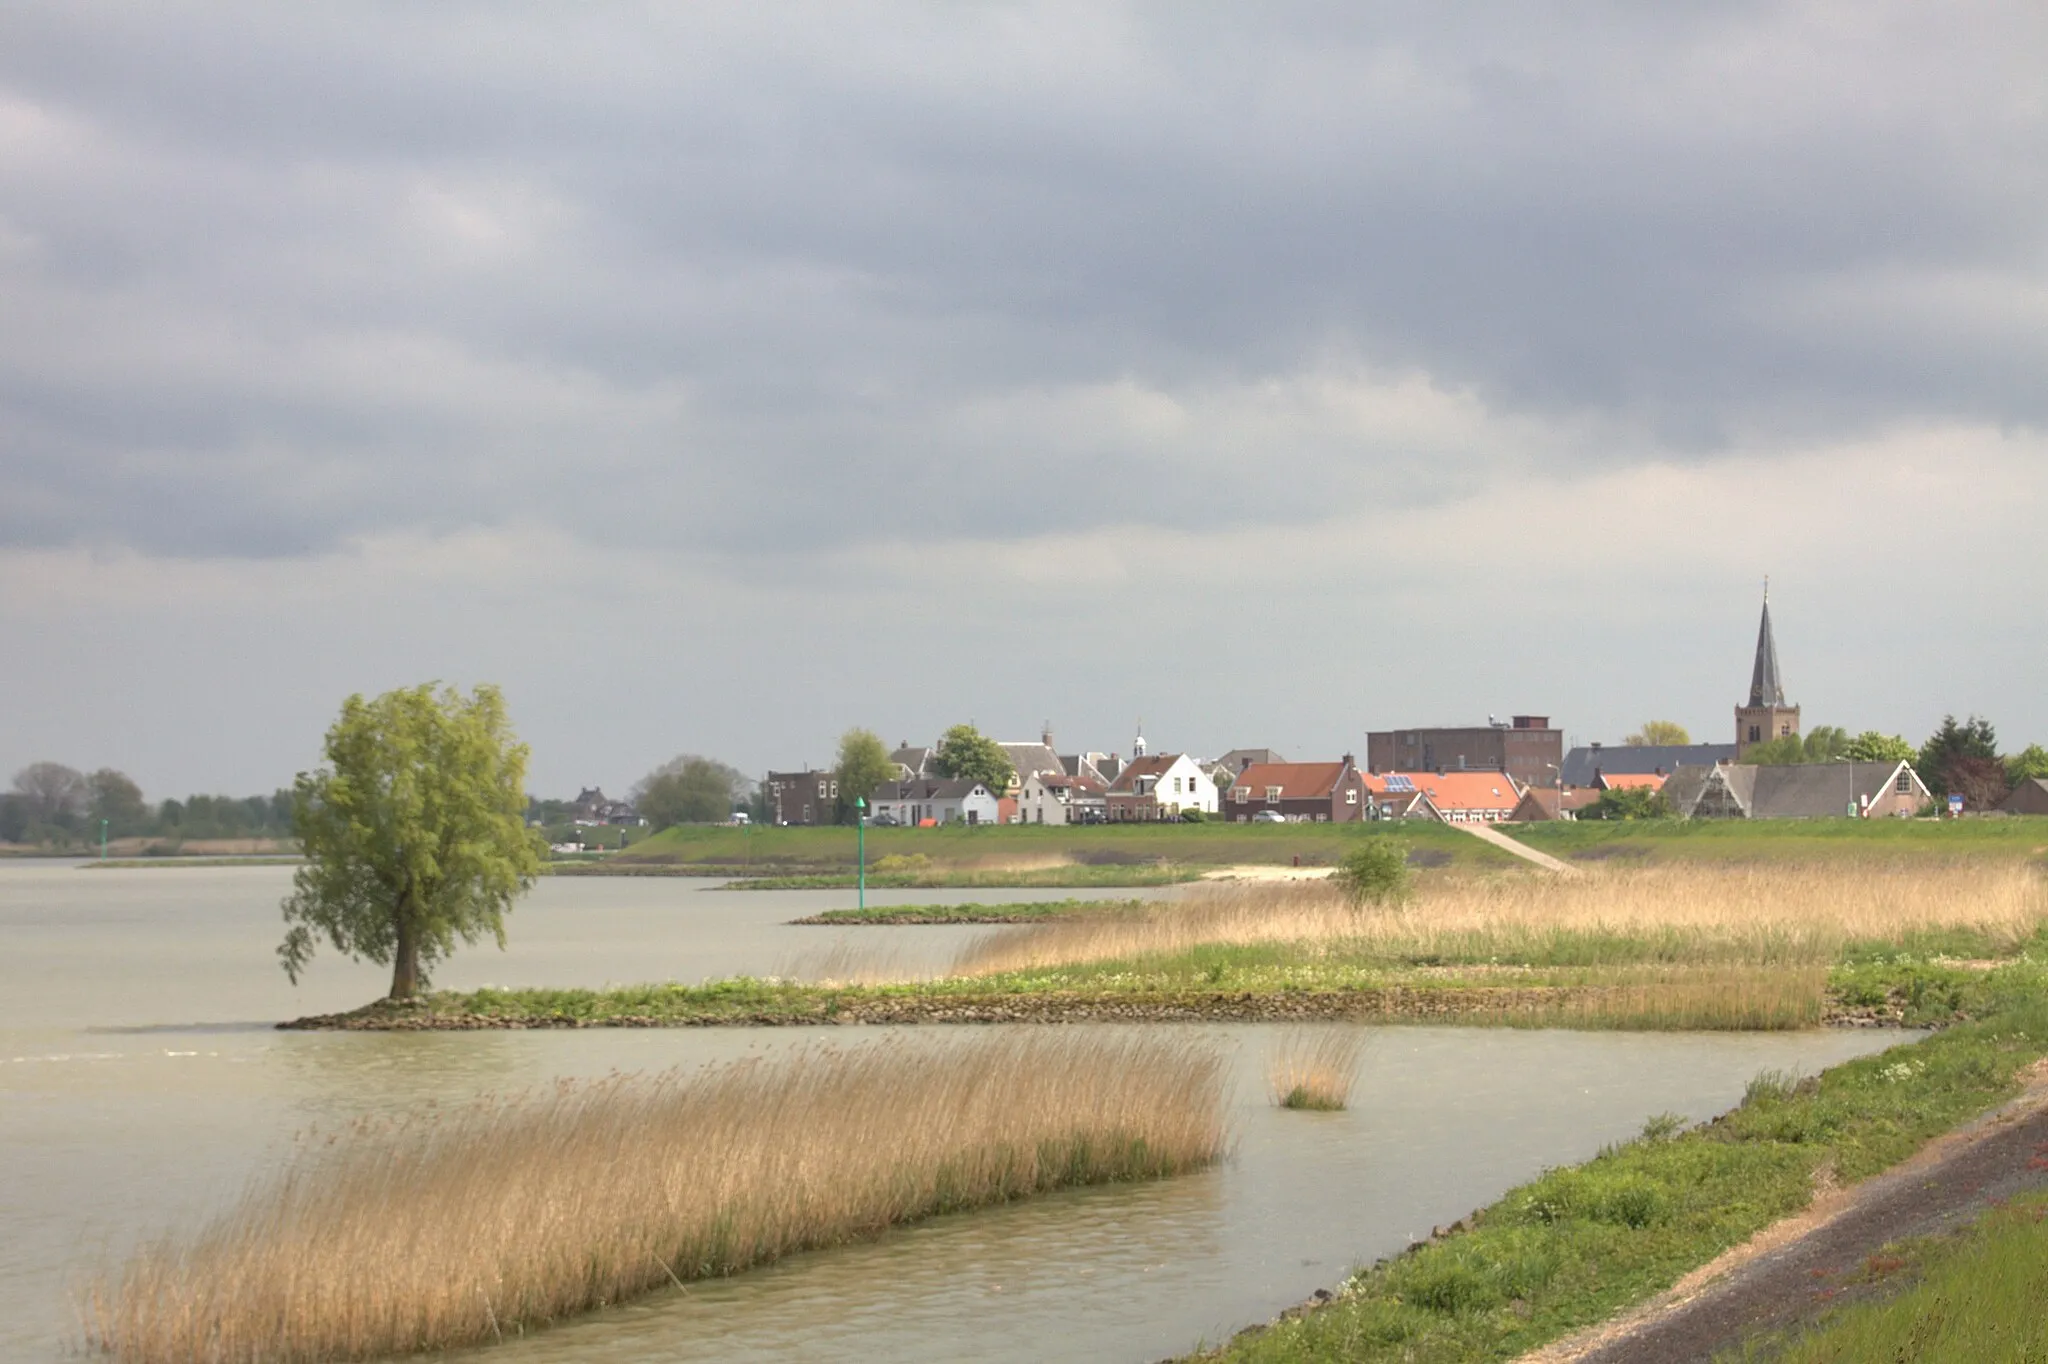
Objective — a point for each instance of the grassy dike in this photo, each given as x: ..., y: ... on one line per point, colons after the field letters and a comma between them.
x: 1577, y: 1245
x: 1974, y: 1296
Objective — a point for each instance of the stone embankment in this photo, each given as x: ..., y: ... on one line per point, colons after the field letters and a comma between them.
x: 1395, y: 1003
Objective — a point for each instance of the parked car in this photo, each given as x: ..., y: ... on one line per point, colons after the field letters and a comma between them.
x: 1269, y: 817
x: 885, y: 818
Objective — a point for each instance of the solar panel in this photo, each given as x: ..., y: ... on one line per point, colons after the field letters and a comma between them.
x: 1399, y: 783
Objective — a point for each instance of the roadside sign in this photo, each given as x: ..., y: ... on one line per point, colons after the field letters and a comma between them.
x: 1955, y: 804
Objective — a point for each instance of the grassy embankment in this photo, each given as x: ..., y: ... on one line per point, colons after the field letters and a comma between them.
x: 1018, y: 913
x: 461, y: 1228
x: 1575, y: 1246
x: 1966, y: 1298
x: 1808, y: 842
x: 1023, y: 855
x: 1674, y: 947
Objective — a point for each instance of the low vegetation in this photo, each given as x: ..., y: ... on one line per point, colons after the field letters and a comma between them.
x: 460, y: 1228
x: 1574, y: 1246
x: 1314, y: 1068
x: 984, y: 878
x: 1670, y: 947
x: 1022, y: 912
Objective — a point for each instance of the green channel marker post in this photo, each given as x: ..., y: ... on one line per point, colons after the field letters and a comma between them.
x: 103, y: 840
x: 860, y: 819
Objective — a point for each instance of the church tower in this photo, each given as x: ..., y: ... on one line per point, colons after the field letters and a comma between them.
x: 1766, y: 717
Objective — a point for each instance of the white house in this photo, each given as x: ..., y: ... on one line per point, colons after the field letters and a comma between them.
x: 1056, y: 798
x: 941, y: 802
x: 1161, y: 786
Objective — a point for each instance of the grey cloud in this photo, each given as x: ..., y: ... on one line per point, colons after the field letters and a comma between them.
x: 730, y: 275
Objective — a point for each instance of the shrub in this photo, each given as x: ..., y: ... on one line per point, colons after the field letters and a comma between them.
x: 1375, y: 873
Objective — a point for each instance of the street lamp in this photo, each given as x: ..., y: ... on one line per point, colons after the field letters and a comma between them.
x: 860, y: 816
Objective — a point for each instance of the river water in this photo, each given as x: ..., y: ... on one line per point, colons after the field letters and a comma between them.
x: 141, y: 1086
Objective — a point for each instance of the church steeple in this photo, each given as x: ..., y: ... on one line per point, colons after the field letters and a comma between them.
x: 1767, y: 716
x: 1764, y: 687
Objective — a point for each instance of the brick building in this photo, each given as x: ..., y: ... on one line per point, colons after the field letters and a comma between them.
x: 1527, y: 749
x: 1315, y: 793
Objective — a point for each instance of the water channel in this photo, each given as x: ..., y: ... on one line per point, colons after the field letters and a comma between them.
x: 141, y: 1086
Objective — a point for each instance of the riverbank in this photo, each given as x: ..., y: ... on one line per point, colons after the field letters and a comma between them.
x: 1575, y: 1247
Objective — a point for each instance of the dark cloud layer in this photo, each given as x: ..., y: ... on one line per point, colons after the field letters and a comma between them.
x: 744, y: 275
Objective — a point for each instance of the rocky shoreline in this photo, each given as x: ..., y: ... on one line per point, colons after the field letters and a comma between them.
x: 1391, y: 1004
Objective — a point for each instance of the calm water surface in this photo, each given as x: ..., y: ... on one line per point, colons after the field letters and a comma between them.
x: 141, y: 1087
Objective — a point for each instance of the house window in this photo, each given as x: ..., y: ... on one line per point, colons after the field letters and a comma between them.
x: 1755, y: 735
x: 1904, y: 785
x: 1784, y: 729
x: 1272, y: 795
x: 821, y: 790
x: 1351, y: 797
x: 1240, y: 794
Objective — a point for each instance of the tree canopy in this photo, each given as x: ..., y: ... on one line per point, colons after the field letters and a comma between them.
x: 863, y: 765
x: 1822, y: 744
x: 2027, y: 764
x: 1950, y: 744
x: 1628, y: 802
x: 52, y: 793
x: 413, y: 833
x: 1658, y: 734
x: 965, y: 752
x: 1872, y: 747
x: 689, y: 789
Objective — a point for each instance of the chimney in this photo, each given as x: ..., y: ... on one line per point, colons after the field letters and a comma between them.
x: 1045, y: 734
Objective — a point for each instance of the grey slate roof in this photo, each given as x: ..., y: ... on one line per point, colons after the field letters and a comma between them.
x: 1029, y: 758
x: 927, y: 789
x: 1791, y: 791
x: 1579, y: 764
x: 1765, y: 687
x: 2030, y: 797
x: 916, y: 757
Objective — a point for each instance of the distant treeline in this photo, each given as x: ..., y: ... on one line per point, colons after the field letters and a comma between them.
x: 50, y: 803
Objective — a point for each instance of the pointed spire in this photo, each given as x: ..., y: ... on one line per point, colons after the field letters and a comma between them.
x: 1765, y: 687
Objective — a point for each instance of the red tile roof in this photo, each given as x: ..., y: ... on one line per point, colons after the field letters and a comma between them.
x: 1616, y: 781
x: 1449, y: 791
x: 1297, y: 781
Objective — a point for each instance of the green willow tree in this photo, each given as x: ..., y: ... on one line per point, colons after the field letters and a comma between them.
x: 965, y: 752
x: 863, y: 764
x: 414, y: 833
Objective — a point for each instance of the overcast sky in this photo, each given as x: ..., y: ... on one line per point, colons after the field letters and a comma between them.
x: 716, y: 377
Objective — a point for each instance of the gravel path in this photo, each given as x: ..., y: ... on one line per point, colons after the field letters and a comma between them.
x: 1796, y: 1270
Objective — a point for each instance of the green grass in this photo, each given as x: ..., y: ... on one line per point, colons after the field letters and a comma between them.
x: 767, y: 849
x: 2017, y: 839
x: 976, y: 913
x: 1573, y: 1247
x: 1973, y: 1298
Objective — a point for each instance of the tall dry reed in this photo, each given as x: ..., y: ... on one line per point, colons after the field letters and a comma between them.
x: 1764, y: 914
x: 1315, y: 1067
x: 454, y: 1229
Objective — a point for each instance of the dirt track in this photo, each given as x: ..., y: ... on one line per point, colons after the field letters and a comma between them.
x: 1793, y: 1271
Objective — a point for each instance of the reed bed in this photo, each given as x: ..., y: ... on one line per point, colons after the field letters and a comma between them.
x: 1765, y: 915
x: 1314, y: 1068
x: 464, y: 1227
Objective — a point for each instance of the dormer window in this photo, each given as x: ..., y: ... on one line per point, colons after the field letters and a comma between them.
x: 1272, y: 795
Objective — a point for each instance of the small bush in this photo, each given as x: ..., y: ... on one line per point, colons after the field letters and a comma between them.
x: 902, y: 863
x: 1375, y: 873
x: 1192, y: 816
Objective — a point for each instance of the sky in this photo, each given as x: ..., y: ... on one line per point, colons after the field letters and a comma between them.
x: 714, y: 378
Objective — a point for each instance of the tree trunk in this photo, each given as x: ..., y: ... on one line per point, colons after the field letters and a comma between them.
x: 405, y: 958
